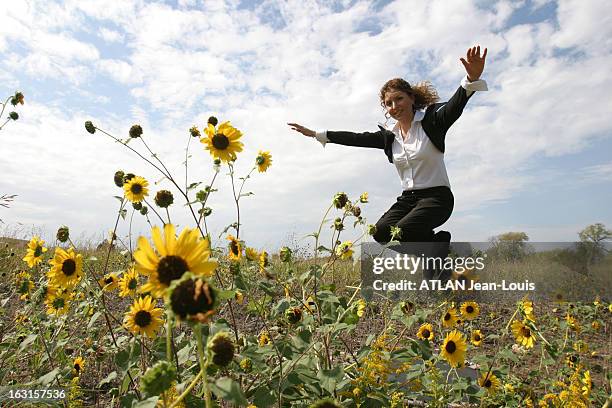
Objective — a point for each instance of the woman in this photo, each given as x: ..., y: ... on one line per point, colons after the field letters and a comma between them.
x: 416, y: 147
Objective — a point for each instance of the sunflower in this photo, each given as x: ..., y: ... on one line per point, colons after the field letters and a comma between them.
x: 66, y: 268
x: 264, y: 261
x: 176, y: 256
x: 263, y: 161
x: 587, y: 383
x: 426, y: 332
x: 109, y: 282
x: 223, y: 142
x: 526, y: 307
x: 24, y: 285
x: 572, y: 323
x: 476, y: 338
x: 251, y: 254
x: 361, y: 307
x: 524, y: 336
x: 129, y: 283
x: 450, y: 318
x: 264, y: 339
x: 489, y: 382
x: 135, y: 189
x: 34, y: 254
x: 78, y: 364
x: 143, y: 317
x: 470, y: 310
x: 344, y: 250
x: 57, y: 301
x: 572, y: 360
x: 454, y: 348
x: 235, y: 248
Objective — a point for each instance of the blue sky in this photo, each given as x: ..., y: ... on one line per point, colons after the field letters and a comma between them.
x: 531, y: 154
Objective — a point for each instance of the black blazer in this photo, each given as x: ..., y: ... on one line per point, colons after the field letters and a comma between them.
x: 437, y: 120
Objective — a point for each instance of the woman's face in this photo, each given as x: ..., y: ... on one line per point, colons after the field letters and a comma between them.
x: 398, y: 104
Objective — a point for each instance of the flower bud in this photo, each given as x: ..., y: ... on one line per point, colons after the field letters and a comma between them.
x: 340, y: 200
x: 144, y: 210
x: 363, y: 198
x: 192, y: 298
x: 221, y: 349
x: 135, y: 131
x: 63, y: 234
x: 14, y: 115
x: 164, y: 198
x: 338, y: 225
x: 90, y: 127
x: 206, y: 211
x: 293, y: 315
x: 285, y: 254
x: 371, y: 229
x: 194, y: 132
x: 201, y: 195
x: 246, y: 364
x: 17, y: 98
x: 213, y: 121
x: 137, y: 205
x: 356, y: 211
x: 118, y: 179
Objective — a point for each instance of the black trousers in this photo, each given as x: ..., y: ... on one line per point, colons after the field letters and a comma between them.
x: 416, y: 213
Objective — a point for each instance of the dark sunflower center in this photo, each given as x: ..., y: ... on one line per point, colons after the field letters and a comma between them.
x: 38, y: 251
x: 469, y: 309
x: 573, y: 359
x: 526, y: 332
x: 77, y: 367
x: 69, y: 267
x: 260, y: 160
x: 234, y: 247
x: 58, y: 303
x: 108, y: 280
x: 220, y: 141
x: 426, y: 333
x: 447, y: 316
x: 487, y: 384
x: 142, y: 318
x: 132, y: 284
x: 170, y: 268
x: 136, y: 188
x: 450, y: 347
x: 476, y: 337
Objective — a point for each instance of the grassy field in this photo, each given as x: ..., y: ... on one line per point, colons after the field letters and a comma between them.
x: 293, y: 346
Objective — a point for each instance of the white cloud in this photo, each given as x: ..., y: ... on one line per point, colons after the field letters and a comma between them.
x: 304, y: 62
x: 110, y: 36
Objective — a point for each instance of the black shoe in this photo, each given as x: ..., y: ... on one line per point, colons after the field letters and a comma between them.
x: 442, y: 236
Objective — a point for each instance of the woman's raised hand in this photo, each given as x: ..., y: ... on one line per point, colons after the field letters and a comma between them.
x: 302, y: 129
x: 474, y: 63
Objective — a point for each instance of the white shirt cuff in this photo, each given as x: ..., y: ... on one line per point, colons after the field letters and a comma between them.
x: 478, y: 85
x: 322, y: 137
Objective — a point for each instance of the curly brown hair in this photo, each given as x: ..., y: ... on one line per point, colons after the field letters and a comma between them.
x: 423, y: 92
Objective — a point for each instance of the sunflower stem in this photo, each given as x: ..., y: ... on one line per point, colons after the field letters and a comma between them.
x: 203, y: 365
x: 187, y: 390
x: 168, y: 337
x: 156, y: 213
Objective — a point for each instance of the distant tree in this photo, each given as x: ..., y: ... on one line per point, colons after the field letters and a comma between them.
x: 592, y: 242
x: 510, y: 246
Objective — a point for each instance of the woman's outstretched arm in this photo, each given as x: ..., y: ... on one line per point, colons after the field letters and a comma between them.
x: 364, y: 139
x: 440, y: 116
